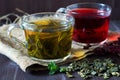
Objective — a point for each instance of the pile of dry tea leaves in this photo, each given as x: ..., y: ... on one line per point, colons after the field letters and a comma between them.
x: 103, y: 68
x: 87, y: 69
x: 112, y: 47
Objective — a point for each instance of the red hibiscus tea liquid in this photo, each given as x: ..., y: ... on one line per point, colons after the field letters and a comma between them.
x: 91, y: 25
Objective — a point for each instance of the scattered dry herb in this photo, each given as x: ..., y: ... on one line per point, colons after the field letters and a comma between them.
x: 86, y: 69
x: 108, y: 48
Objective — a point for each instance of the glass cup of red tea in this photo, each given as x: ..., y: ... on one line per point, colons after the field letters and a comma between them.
x: 91, y: 22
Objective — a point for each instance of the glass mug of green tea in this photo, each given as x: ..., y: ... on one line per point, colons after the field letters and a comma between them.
x: 91, y: 22
x: 48, y: 35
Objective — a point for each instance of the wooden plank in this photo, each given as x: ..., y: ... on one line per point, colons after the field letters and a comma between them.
x: 33, y: 6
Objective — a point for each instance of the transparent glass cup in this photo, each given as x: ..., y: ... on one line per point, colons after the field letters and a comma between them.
x: 48, y: 35
x: 91, y: 22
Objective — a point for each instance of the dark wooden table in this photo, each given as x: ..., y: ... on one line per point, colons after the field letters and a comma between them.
x: 11, y: 71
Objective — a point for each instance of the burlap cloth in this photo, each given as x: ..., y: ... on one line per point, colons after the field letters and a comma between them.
x: 14, y: 50
x: 17, y: 53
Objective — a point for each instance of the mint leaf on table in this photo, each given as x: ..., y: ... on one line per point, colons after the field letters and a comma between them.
x: 53, y: 68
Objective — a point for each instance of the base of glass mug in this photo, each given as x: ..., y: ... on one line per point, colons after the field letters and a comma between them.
x: 46, y: 61
x: 87, y: 45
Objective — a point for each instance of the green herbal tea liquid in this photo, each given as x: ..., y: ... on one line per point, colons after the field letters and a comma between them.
x: 50, y: 40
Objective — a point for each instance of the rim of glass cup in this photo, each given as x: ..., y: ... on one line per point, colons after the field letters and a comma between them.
x: 46, y: 13
x: 100, y: 6
x: 66, y: 17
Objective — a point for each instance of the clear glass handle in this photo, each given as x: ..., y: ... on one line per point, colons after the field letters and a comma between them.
x: 11, y: 27
x: 61, y: 10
